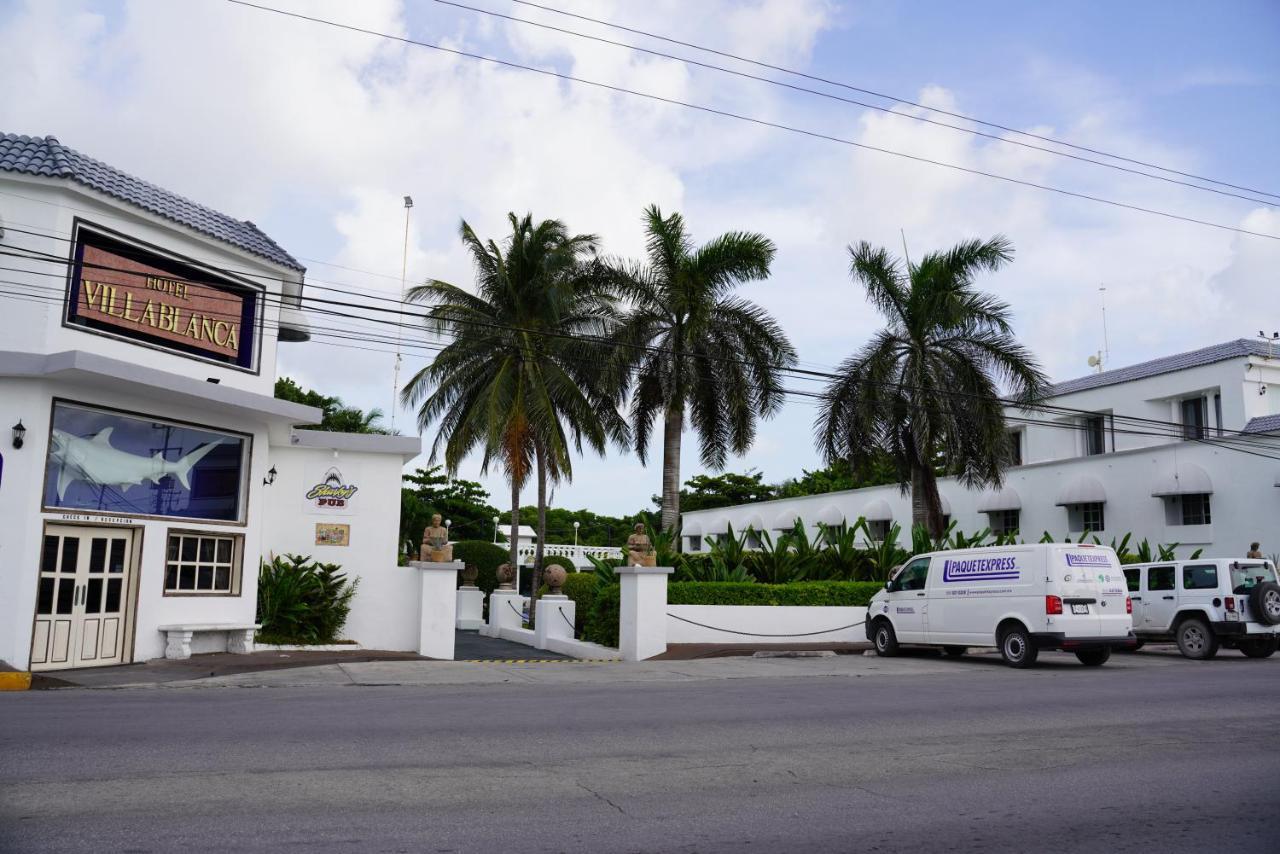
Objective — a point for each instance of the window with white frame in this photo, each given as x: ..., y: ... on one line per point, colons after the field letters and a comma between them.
x: 1015, y: 447
x: 878, y: 530
x: 695, y: 543
x: 1195, y: 510
x: 1086, y: 517
x: 1004, y: 521
x: 202, y: 564
x: 1193, y: 418
x: 1095, y: 434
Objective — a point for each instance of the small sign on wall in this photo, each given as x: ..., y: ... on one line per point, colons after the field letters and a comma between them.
x: 331, y: 492
x: 332, y: 534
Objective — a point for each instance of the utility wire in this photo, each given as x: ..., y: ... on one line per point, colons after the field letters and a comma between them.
x: 760, y: 122
x: 855, y: 102
x: 896, y: 99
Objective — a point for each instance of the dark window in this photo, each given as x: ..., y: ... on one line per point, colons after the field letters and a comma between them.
x: 49, y: 562
x: 914, y: 576
x: 200, y: 563
x: 1004, y: 521
x: 1092, y: 518
x: 1195, y: 510
x: 695, y: 543
x: 879, y: 530
x: 1095, y: 437
x: 1200, y: 577
x: 1160, y: 578
x: 1131, y: 578
x: 1015, y: 447
x: 1193, y: 418
x: 1217, y: 413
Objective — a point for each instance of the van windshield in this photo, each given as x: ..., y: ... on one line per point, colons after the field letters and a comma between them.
x: 1246, y: 576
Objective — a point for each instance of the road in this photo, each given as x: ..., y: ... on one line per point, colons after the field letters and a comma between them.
x: 1151, y: 753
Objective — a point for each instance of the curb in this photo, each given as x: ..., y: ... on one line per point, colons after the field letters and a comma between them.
x: 15, y: 680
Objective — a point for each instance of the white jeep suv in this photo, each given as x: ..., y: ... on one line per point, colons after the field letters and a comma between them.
x: 1207, y: 603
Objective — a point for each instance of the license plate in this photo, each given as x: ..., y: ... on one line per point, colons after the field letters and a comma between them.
x: 1232, y: 615
x: 1079, y: 609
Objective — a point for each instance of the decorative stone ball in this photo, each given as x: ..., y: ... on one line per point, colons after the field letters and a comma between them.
x: 506, y: 575
x: 469, y: 574
x: 554, y: 575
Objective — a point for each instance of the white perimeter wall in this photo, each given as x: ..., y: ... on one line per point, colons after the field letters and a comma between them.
x: 765, y: 624
x: 385, y: 611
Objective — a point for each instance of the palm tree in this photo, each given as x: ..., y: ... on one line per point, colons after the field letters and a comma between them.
x: 690, y: 345
x: 926, y: 388
x: 517, y: 381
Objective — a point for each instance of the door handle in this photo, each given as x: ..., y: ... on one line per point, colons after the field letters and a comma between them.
x: 1136, y: 598
x: 919, y: 594
x: 1166, y: 597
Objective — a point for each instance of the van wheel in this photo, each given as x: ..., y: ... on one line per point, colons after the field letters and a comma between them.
x: 1093, y: 657
x: 954, y: 651
x: 1017, y: 649
x: 1196, y: 640
x: 1261, y: 648
x: 886, y: 640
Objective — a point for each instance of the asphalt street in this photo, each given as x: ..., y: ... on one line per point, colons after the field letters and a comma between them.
x: 1151, y: 753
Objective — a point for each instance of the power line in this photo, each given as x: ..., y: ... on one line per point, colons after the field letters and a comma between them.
x: 855, y: 102
x: 760, y: 122
x: 896, y: 99
x: 1171, y: 429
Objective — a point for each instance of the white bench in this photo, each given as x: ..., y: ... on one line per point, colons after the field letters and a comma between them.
x: 178, y: 637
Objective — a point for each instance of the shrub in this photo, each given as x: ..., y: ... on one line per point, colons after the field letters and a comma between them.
x: 581, y: 587
x: 485, y: 556
x: 846, y: 593
x: 601, y: 624
x: 302, y: 601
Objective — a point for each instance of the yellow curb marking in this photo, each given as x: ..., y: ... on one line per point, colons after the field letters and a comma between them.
x: 10, y: 681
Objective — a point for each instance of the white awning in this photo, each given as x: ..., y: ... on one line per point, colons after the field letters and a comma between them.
x: 719, y: 525
x: 831, y: 515
x: 692, y: 528
x: 1185, y: 479
x: 785, y: 521
x: 755, y: 521
x: 1084, y: 489
x: 878, y: 511
x: 995, y: 500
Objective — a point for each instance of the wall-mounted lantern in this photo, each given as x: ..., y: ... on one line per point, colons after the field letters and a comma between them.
x: 19, y: 434
x: 271, y: 476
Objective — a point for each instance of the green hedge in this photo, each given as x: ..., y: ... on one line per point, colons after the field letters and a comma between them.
x: 601, y: 624
x: 846, y: 593
x: 485, y: 556
x: 581, y: 587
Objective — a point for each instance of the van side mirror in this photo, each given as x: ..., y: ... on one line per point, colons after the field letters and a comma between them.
x: 888, y: 585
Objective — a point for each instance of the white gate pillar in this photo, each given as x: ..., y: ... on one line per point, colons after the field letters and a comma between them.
x: 642, y: 620
x: 555, y: 616
x: 439, y: 607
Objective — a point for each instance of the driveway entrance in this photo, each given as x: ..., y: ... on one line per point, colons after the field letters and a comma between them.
x: 473, y: 646
x: 84, y: 614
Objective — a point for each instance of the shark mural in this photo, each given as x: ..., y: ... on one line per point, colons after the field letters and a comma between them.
x: 113, y: 462
x: 96, y: 462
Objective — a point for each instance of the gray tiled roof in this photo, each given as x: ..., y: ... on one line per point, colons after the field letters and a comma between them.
x: 45, y: 156
x: 1263, y: 424
x: 1237, y: 349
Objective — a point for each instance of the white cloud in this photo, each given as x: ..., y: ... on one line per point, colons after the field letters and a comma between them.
x: 316, y: 134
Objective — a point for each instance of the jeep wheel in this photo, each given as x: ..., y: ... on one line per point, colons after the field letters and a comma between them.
x: 1261, y: 647
x: 1264, y: 601
x: 886, y: 640
x: 1196, y: 640
x: 1093, y: 657
x: 1016, y: 648
x: 954, y: 651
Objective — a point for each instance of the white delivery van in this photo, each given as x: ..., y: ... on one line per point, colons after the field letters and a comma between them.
x: 1019, y: 599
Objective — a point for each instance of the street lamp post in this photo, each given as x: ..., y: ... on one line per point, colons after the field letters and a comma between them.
x: 576, y: 524
x: 495, y: 530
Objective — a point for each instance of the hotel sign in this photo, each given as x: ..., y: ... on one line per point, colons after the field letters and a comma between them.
x: 122, y: 289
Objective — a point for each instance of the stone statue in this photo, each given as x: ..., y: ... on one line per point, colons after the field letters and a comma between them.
x: 506, y: 576
x: 435, y: 542
x: 469, y: 575
x: 640, y: 551
x: 554, y: 576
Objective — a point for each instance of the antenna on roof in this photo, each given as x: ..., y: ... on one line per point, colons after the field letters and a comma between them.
x: 1106, y: 342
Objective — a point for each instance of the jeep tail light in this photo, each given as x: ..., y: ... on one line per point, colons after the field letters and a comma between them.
x: 1128, y: 605
x: 1229, y: 602
x: 1052, y: 605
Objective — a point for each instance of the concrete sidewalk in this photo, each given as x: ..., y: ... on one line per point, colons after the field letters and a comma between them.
x: 422, y: 673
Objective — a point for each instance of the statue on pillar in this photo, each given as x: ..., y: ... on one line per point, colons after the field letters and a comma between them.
x: 640, y: 551
x: 435, y: 542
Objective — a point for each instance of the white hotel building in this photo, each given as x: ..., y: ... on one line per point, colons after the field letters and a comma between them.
x: 1209, y: 477
x: 149, y: 465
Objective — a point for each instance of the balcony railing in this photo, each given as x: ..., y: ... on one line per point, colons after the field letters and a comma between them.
x: 577, y: 554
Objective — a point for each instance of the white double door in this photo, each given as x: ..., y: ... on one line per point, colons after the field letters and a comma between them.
x: 84, y: 597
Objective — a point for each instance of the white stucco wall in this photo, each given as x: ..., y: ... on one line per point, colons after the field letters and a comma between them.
x: 761, y: 625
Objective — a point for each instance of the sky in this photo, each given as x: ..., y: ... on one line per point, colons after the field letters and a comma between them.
x: 316, y: 134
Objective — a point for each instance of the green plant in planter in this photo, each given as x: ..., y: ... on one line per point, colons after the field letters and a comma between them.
x: 773, y: 563
x: 883, y: 556
x: 303, y: 601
